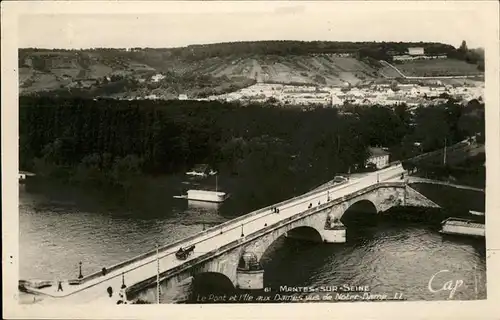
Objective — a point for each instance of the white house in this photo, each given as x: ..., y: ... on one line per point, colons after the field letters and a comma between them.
x: 23, y: 175
x: 416, y: 51
x: 183, y: 97
x: 157, y: 77
x: 378, y: 156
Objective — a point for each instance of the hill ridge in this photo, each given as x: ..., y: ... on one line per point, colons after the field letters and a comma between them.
x: 207, y: 69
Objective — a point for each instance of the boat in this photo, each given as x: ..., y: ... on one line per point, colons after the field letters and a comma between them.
x: 24, y: 175
x: 201, y: 170
x: 476, y: 213
x: 205, y: 195
x: 458, y: 226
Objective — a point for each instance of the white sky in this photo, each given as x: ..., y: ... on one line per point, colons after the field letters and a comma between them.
x: 175, y: 24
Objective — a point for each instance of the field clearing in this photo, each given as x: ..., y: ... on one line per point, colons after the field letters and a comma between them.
x: 351, y: 64
x: 43, y: 81
x: 140, y: 67
x: 437, y: 67
x: 463, y: 82
x: 389, y: 72
x: 329, y: 66
x: 25, y: 74
x: 66, y: 72
x: 99, y: 71
x: 256, y: 70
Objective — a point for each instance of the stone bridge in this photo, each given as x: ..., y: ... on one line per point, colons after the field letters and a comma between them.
x: 237, y: 264
x: 228, y: 255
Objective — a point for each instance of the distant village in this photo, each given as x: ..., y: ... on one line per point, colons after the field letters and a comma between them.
x: 372, y: 94
x: 413, y: 93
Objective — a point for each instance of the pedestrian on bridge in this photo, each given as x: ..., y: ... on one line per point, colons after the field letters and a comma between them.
x: 59, y: 286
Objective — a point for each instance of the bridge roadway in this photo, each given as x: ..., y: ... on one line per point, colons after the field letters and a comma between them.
x: 94, y: 290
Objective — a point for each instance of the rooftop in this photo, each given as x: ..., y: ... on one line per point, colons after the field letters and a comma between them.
x: 377, y: 152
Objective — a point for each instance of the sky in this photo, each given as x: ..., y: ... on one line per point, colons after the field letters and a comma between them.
x: 173, y: 25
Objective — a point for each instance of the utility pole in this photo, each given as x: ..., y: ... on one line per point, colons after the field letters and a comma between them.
x: 157, y: 275
x: 444, y: 154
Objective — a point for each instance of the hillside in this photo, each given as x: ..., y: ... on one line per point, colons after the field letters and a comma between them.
x: 203, y: 70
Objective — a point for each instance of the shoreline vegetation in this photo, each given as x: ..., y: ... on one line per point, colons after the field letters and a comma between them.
x: 107, y: 143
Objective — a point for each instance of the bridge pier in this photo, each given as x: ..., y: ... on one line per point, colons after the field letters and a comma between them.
x: 334, y: 231
x: 250, y: 279
x: 337, y: 235
x: 249, y: 274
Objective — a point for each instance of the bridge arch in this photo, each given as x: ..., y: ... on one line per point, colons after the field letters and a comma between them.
x: 207, y: 283
x: 273, y: 244
x: 306, y: 233
x: 360, y: 212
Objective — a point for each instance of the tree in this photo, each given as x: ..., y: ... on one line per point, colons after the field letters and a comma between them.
x: 463, y: 47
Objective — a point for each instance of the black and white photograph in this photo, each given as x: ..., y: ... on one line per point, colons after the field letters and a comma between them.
x: 285, y: 153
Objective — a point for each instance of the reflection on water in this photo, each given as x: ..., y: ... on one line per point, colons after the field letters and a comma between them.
x: 388, y: 258
x: 203, y: 206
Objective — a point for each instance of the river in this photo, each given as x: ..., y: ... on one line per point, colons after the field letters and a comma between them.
x: 61, y: 226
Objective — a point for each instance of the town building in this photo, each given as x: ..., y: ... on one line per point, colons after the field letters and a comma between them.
x: 416, y: 51
x: 379, y: 157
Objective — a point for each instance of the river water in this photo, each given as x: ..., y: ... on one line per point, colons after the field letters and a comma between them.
x: 61, y: 226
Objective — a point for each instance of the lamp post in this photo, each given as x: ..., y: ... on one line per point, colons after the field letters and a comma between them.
x: 242, y: 234
x: 80, y: 275
x: 123, y: 280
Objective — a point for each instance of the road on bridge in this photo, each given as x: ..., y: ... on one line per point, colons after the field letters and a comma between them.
x: 95, y: 290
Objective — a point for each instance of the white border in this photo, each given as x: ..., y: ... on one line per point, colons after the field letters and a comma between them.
x: 384, y: 310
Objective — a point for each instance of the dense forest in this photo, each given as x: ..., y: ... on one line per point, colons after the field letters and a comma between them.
x: 374, y: 50
x: 249, y: 48
x: 111, y: 142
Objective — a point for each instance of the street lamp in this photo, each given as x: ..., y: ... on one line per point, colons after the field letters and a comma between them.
x: 123, y: 280
x: 242, y: 234
x: 80, y: 275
